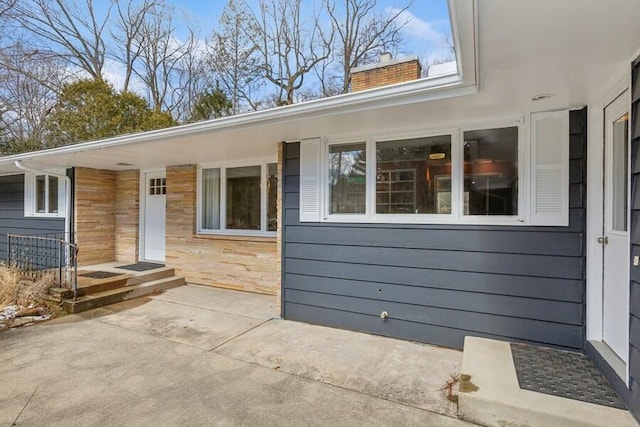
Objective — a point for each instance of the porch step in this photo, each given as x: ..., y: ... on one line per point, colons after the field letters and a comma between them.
x: 490, y: 395
x: 90, y: 286
x: 56, y: 295
x: 112, y: 296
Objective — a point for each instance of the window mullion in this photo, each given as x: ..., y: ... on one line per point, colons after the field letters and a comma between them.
x: 263, y: 196
x: 457, y: 175
x: 371, y: 179
x: 46, y: 194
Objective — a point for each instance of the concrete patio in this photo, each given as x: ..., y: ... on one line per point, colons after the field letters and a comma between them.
x: 195, y: 355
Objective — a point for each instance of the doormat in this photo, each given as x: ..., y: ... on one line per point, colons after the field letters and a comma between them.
x: 99, y: 274
x: 141, y: 266
x: 562, y: 374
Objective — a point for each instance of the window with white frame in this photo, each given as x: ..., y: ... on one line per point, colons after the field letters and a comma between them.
x: 482, y: 175
x: 44, y: 195
x: 238, y: 199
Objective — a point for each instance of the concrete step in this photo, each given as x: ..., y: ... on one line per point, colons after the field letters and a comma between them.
x: 112, y: 296
x: 89, y: 286
x: 56, y: 295
x: 148, y: 276
x: 489, y: 394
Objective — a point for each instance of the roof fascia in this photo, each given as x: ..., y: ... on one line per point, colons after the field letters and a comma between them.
x: 463, y: 15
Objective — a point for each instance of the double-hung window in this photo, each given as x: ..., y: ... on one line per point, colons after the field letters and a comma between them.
x: 238, y: 199
x: 473, y: 175
x: 44, y: 195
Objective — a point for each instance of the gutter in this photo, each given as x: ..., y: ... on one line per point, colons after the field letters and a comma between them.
x: 67, y: 192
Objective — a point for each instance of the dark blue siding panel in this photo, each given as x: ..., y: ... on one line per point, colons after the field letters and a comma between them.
x: 12, y: 219
x: 481, y: 262
x: 440, y: 283
x: 634, y: 301
x: 632, y: 398
x: 503, y: 305
x: 514, y: 242
x: 522, y: 286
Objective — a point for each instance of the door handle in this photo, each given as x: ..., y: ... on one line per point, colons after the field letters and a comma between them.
x: 603, y: 240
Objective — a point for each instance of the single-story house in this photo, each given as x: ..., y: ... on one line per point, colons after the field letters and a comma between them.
x: 498, y: 201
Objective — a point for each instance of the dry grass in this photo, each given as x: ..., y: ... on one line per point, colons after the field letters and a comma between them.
x: 14, y: 290
x: 9, y: 282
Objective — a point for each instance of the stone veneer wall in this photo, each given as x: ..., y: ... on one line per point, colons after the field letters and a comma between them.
x: 242, y: 263
x: 127, y: 216
x: 94, y: 215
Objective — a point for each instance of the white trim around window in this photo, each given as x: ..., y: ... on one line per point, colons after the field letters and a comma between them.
x: 221, y: 201
x: 44, y: 195
x: 484, y: 195
x: 454, y: 213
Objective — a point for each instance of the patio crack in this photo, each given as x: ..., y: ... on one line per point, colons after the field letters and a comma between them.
x: 15, y: 422
x: 239, y: 335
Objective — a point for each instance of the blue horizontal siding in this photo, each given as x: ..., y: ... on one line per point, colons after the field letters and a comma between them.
x: 632, y: 396
x: 12, y: 219
x: 440, y: 282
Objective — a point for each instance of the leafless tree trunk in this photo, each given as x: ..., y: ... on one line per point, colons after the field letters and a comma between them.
x: 131, y: 20
x: 159, y: 55
x: 234, y: 57
x: 289, y: 47
x: 69, y: 29
x: 29, y: 85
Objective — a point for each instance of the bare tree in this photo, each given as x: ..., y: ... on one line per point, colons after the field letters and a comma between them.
x: 160, y: 52
x: 289, y: 47
x: 362, y: 33
x: 191, y: 78
x: 6, y: 6
x: 72, y: 30
x: 235, y: 58
x: 29, y: 85
x: 131, y: 20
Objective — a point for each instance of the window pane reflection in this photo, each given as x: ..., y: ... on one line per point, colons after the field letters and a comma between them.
x: 272, y: 196
x: 53, y: 194
x: 413, y: 176
x: 491, y: 172
x: 41, y: 193
x: 347, y: 178
x: 243, y: 198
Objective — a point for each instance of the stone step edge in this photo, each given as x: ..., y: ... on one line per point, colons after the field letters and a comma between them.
x: 124, y: 293
x: 489, y: 394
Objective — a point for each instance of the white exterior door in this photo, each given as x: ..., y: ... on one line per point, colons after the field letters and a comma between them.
x: 615, y: 238
x: 154, y: 215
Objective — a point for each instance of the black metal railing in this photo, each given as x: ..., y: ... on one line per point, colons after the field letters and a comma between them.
x: 36, y: 255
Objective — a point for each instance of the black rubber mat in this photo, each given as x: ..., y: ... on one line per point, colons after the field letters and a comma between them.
x: 99, y: 274
x: 141, y: 266
x: 563, y: 374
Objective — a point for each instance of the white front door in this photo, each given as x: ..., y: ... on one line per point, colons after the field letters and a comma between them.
x: 615, y: 237
x: 154, y: 215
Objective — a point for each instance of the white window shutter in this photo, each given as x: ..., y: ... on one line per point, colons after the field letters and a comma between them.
x: 310, y: 173
x: 550, y: 168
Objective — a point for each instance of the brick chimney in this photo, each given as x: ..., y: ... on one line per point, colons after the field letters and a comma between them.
x: 386, y: 71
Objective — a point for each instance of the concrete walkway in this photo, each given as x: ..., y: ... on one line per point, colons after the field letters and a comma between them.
x: 202, y: 356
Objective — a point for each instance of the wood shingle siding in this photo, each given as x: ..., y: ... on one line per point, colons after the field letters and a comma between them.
x: 439, y: 283
x: 12, y: 219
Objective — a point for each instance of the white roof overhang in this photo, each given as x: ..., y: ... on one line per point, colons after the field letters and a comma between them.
x: 255, y: 134
x: 509, y: 51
